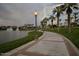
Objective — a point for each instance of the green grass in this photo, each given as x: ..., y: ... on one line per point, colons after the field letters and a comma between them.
x: 73, y: 36
x: 5, y: 47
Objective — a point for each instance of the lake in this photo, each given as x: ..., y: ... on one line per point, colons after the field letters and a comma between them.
x: 6, y: 36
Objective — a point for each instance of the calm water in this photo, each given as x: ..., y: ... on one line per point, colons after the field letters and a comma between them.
x: 6, y: 36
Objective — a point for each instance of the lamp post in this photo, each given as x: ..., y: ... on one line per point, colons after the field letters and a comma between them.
x: 35, y: 13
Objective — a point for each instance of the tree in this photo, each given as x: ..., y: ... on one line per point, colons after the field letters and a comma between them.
x: 52, y: 18
x: 68, y: 7
x: 75, y: 16
x: 44, y: 22
x: 57, y: 11
x: 14, y: 28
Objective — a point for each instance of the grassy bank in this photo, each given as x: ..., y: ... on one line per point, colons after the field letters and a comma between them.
x: 5, y: 47
x: 73, y: 36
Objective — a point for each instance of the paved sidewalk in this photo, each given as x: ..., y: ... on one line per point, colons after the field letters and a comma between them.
x: 51, y: 44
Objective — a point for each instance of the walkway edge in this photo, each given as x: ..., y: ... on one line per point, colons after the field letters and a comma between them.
x: 73, y: 46
x: 21, y: 47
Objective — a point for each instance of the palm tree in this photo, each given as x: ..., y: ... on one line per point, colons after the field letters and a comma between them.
x: 52, y: 18
x: 44, y: 22
x: 57, y: 11
x: 75, y: 16
x: 68, y: 7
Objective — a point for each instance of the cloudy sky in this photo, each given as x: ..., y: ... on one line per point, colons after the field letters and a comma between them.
x: 21, y: 13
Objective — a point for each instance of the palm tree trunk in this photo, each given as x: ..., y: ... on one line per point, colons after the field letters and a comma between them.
x: 69, y: 23
x: 75, y: 18
x: 58, y: 23
x: 52, y: 22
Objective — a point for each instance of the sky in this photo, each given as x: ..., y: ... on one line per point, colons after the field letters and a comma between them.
x: 22, y: 13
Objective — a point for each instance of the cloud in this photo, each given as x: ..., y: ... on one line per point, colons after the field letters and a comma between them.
x: 21, y: 13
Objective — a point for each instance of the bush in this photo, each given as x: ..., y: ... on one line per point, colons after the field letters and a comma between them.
x: 3, y: 28
x: 14, y: 28
x: 54, y: 26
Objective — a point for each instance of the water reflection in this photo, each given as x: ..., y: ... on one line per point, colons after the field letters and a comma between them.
x: 6, y: 36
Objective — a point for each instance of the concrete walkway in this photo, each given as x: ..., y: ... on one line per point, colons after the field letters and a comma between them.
x: 51, y: 44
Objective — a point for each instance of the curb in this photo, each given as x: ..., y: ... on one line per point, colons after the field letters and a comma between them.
x: 21, y: 47
x: 72, y: 45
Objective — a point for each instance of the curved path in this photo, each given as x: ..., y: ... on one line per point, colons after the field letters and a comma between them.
x: 50, y: 44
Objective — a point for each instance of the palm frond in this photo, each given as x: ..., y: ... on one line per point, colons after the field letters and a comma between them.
x: 54, y: 11
x: 75, y: 7
x: 69, y: 10
x: 72, y: 4
x: 63, y: 7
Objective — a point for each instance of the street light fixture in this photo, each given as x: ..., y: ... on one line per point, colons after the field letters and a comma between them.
x: 35, y: 13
